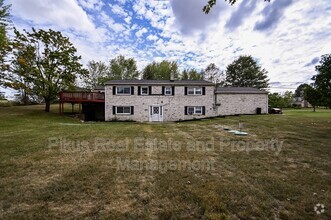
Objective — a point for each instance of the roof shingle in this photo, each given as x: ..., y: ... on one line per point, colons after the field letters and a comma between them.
x: 160, y: 82
x: 239, y: 90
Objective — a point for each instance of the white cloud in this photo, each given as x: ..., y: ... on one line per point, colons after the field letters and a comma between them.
x: 152, y: 37
x: 117, y: 27
x: 61, y: 13
x: 150, y: 30
x: 122, y: 2
x: 127, y: 20
x: 141, y: 32
x: 116, y: 9
x: 91, y: 4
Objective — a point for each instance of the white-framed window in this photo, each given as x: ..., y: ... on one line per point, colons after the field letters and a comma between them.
x: 123, y: 110
x: 168, y: 90
x: 194, y: 91
x: 190, y: 91
x: 123, y: 90
x: 190, y: 110
x: 144, y: 90
x: 198, y: 110
x: 198, y: 91
x: 194, y: 110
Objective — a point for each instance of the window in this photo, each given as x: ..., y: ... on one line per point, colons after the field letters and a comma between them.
x: 198, y: 91
x: 168, y: 91
x: 144, y: 90
x: 123, y: 110
x: 120, y: 90
x: 194, y: 91
x: 194, y: 110
x: 198, y: 110
x: 190, y: 91
x: 190, y: 110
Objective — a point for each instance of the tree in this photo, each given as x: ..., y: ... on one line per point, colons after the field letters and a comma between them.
x: 245, y: 72
x: 191, y: 74
x: 280, y: 101
x: 274, y: 99
x: 323, y: 79
x: 161, y: 71
x: 97, y: 74
x: 4, y: 21
x: 299, y: 92
x: 122, y: 68
x: 119, y: 68
x: 46, y: 63
x: 313, y: 96
x: 213, y: 74
x: 212, y: 3
x: 287, y: 99
x: 15, y: 76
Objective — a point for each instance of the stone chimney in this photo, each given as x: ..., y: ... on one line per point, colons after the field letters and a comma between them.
x: 172, y: 77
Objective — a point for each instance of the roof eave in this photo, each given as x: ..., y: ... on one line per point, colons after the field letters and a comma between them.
x: 161, y: 84
x: 242, y: 92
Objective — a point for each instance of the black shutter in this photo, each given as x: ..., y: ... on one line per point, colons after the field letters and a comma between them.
x: 203, y: 90
x: 132, y: 110
x: 132, y: 90
x: 114, y: 90
x: 203, y: 110
x: 163, y: 90
x: 139, y: 90
x: 185, y: 90
x: 185, y: 110
x: 150, y: 90
x: 114, y: 110
x: 173, y: 90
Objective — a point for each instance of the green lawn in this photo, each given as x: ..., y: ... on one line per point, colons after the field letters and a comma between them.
x: 248, y: 179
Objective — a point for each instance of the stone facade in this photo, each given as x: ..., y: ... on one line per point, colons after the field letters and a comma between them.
x: 236, y: 104
x: 212, y: 101
x: 173, y: 106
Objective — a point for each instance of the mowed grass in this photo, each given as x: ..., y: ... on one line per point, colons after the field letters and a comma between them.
x: 77, y: 181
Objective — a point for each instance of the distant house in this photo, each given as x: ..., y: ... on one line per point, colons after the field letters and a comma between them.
x: 300, y: 102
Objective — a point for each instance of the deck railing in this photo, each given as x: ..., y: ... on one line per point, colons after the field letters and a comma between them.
x: 82, y: 97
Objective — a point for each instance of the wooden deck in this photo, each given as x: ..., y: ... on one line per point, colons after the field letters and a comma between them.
x: 79, y: 98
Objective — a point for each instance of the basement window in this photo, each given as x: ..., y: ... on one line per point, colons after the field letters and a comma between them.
x: 195, y: 110
x: 123, y: 110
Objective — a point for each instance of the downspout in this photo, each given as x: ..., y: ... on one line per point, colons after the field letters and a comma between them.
x: 267, y: 109
x: 215, y: 101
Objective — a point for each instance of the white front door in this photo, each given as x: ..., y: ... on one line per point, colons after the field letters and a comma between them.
x: 155, y: 113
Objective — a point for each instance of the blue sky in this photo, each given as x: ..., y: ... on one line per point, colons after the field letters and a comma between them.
x: 287, y: 37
